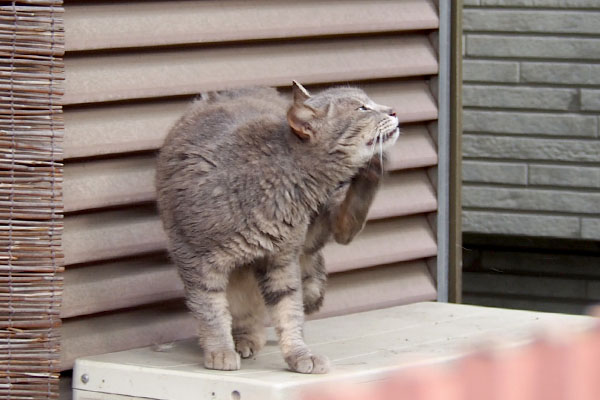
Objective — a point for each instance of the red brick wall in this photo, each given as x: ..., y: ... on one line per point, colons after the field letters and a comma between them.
x: 554, y: 367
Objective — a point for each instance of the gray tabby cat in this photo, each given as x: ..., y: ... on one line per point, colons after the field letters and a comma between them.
x: 250, y: 187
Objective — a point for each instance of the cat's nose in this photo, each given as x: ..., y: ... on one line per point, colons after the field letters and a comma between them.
x: 391, y: 113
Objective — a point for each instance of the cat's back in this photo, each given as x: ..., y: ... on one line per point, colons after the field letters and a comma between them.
x: 219, y: 135
x: 211, y: 156
x: 209, y: 123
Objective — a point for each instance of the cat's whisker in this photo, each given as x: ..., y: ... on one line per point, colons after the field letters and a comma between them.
x: 381, y: 153
x: 374, y: 149
x: 374, y: 146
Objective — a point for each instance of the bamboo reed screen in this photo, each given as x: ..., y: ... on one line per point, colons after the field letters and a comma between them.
x: 31, y: 74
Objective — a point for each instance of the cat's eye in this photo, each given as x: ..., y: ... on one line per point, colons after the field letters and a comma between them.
x: 363, y: 108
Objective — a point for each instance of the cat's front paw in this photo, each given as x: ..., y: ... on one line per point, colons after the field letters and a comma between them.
x: 224, y: 360
x: 348, y: 226
x: 313, y: 305
x: 308, y: 364
x: 313, y: 296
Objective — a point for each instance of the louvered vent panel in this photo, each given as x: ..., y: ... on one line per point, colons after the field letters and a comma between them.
x: 131, y: 68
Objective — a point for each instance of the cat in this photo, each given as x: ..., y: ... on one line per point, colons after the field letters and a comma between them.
x: 249, y: 187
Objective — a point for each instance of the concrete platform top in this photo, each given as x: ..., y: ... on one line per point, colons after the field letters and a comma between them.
x: 362, y: 347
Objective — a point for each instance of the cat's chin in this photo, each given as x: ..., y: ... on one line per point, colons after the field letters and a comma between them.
x: 392, y: 139
x: 387, y: 139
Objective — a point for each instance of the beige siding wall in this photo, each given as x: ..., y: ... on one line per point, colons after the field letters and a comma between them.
x: 131, y: 67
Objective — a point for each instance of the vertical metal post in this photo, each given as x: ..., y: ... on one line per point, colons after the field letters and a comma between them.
x: 449, y: 170
x: 443, y: 220
x: 455, y: 251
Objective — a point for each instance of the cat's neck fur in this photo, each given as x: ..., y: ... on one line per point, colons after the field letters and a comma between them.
x: 319, y: 171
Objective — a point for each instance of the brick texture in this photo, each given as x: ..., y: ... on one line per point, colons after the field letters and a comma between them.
x: 495, y: 172
x: 543, y: 3
x: 590, y: 228
x: 531, y: 149
x: 590, y: 99
x: 521, y: 224
x: 584, y: 48
x: 523, y: 98
x: 525, y: 122
x: 531, y: 118
x: 532, y: 21
x: 490, y: 71
x: 566, y: 176
x: 531, y: 199
x: 565, y: 73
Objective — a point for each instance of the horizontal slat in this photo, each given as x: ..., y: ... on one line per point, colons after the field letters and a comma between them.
x: 92, y: 289
x: 404, y: 193
x: 123, y: 330
x: 105, y: 183
x: 383, y: 242
x: 113, y: 234
x: 188, y: 71
x: 123, y: 284
x: 125, y: 128
x: 414, y: 149
x: 135, y: 24
x: 380, y: 287
x: 349, y: 292
x: 412, y: 100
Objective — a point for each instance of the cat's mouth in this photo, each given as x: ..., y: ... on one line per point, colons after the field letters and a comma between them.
x: 385, y: 137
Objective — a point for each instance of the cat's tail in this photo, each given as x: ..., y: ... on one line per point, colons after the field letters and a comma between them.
x: 230, y: 94
x: 207, y: 97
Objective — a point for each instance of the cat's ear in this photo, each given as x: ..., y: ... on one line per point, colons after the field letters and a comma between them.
x: 300, y: 114
x: 299, y: 117
x: 300, y: 93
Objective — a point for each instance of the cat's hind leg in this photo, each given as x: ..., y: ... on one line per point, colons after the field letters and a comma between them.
x: 205, y: 281
x: 247, y: 311
x: 209, y: 306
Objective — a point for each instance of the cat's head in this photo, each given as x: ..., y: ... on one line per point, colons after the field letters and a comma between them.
x: 344, y: 120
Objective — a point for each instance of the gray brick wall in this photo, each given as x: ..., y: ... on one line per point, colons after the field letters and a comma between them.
x: 531, y: 117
